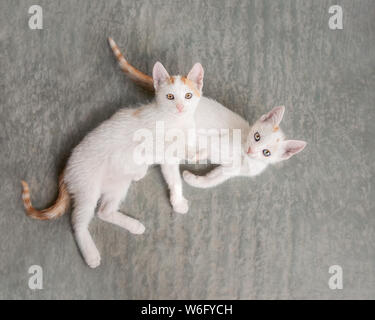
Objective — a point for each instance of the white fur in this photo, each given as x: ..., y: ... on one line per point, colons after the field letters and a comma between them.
x: 253, y: 163
x: 102, y: 165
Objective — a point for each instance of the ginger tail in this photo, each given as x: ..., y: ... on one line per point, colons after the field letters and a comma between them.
x: 137, y: 76
x: 56, y: 210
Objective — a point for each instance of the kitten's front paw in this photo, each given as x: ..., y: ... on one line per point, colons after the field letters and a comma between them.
x: 136, y: 227
x: 180, y: 205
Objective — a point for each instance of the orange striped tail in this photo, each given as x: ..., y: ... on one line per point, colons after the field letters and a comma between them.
x: 56, y: 210
x: 137, y: 76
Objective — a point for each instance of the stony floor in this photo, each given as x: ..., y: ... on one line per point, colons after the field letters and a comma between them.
x: 273, y: 237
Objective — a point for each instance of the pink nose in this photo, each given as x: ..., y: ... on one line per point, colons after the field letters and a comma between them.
x: 249, y: 150
x: 179, y: 107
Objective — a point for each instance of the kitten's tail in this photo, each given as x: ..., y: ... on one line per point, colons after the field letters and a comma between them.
x: 134, y: 74
x: 53, y: 212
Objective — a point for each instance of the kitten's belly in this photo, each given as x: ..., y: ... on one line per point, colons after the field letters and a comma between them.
x: 121, y: 172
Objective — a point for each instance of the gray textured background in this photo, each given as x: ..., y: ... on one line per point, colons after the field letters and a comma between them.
x: 270, y: 237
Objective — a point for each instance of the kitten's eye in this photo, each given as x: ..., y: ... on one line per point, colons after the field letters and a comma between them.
x: 170, y: 96
x: 188, y: 95
x: 256, y: 136
x: 266, y: 153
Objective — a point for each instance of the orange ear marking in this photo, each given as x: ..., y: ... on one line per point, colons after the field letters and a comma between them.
x: 275, y: 128
x: 171, y: 80
x: 191, y: 85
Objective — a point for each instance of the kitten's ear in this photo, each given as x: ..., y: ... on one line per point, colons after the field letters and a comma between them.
x: 291, y: 147
x: 274, y: 116
x: 196, y: 75
x: 159, y: 74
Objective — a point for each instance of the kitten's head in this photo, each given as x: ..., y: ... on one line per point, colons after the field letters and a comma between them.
x: 266, y: 142
x: 179, y: 95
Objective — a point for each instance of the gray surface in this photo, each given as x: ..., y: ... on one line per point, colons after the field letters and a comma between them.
x: 270, y: 237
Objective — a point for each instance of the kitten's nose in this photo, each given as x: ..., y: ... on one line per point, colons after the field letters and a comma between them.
x: 249, y: 150
x: 179, y: 107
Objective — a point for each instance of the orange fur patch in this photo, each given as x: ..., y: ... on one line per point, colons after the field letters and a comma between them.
x: 137, y: 112
x: 275, y: 128
x: 191, y: 85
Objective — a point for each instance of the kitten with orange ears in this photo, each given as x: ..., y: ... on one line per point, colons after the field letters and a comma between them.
x: 262, y: 144
x: 102, y: 166
x: 265, y: 144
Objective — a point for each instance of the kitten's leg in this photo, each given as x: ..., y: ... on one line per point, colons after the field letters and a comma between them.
x: 84, y: 208
x: 211, y: 179
x: 171, y: 173
x: 108, y: 210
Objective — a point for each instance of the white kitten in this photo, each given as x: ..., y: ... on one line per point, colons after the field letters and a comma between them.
x: 102, y: 166
x: 265, y: 144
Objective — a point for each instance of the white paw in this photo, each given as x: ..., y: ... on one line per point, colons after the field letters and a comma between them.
x: 180, y: 205
x: 136, y: 227
x: 93, y: 259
